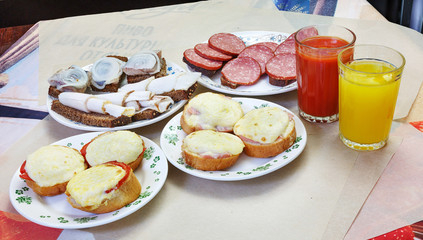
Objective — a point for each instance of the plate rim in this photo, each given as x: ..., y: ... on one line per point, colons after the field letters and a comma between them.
x: 141, y: 123
x: 301, y: 132
x: 112, y: 216
x: 216, y: 86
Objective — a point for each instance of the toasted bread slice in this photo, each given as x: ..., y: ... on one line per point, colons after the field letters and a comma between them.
x: 210, y: 150
x: 266, y: 132
x: 48, y: 170
x: 122, y: 188
x: 121, y: 146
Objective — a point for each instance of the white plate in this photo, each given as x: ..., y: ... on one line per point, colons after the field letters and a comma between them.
x: 172, y: 68
x: 56, y: 212
x: 262, y: 87
x: 246, y: 167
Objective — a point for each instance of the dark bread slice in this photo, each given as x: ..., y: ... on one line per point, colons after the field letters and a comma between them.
x: 226, y: 82
x: 178, y: 95
x: 206, y: 72
x: 280, y: 82
x: 145, y: 115
x: 54, y: 92
x: 92, y: 119
x: 138, y: 78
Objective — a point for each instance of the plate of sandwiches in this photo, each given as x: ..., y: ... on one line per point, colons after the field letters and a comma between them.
x: 234, y: 139
x: 133, y: 94
x: 79, y: 193
x: 250, y: 63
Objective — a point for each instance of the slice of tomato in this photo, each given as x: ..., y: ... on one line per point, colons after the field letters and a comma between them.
x: 24, y: 174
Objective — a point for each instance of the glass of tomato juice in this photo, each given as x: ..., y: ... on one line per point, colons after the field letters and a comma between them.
x: 369, y: 80
x: 317, y: 49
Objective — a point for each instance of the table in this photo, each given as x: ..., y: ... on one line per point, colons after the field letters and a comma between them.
x: 242, y: 202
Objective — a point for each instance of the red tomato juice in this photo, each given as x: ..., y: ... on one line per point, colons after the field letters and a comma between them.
x: 317, y: 75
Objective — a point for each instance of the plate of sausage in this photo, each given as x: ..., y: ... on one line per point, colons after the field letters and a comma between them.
x: 250, y: 63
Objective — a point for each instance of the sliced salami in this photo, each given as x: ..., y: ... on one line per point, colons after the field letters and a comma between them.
x: 192, y: 57
x: 226, y: 43
x: 282, y: 67
x: 287, y: 46
x: 306, y: 33
x: 260, y: 53
x: 240, y: 71
x: 204, y: 50
x: 271, y: 45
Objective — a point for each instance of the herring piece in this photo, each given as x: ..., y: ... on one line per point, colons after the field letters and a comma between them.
x: 139, y: 86
x: 145, y: 62
x: 73, y: 79
x: 75, y: 100
x: 105, y: 71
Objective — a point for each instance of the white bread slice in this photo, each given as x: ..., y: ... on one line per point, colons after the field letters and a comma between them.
x: 209, y: 150
x: 266, y: 132
x: 122, y: 146
x: 84, y: 184
x: 48, y: 170
x: 210, y: 111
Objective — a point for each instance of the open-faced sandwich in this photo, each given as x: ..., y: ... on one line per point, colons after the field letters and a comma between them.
x: 103, y: 188
x: 48, y: 170
x: 210, y: 150
x: 121, y: 146
x: 211, y: 111
x: 145, y: 64
x: 266, y: 132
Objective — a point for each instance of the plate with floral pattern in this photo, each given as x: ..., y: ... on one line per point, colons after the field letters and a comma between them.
x: 262, y: 87
x: 172, y: 68
x: 246, y: 167
x: 56, y: 212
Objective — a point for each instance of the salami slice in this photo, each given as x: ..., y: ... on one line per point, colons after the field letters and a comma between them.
x: 192, y: 57
x: 226, y: 43
x: 287, y: 46
x: 260, y: 53
x: 282, y: 67
x: 271, y: 45
x: 240, y: 71
x: 204, y: 50
x: 306, y: 33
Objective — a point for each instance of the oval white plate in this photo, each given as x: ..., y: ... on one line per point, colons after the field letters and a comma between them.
x: 262, y: 87
x: 172, y: 68
x: 56, y: 212
x: 246, y: 167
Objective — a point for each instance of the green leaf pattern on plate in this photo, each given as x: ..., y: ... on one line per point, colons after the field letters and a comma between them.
x: 148, y: 153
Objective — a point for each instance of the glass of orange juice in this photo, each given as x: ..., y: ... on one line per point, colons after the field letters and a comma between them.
x: 369, y: 80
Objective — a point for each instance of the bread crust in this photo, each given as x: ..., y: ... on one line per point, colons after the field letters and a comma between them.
x: 127, y: 193
x: 47, y: 191
x: 272, y: 149
x: 208, y: 164
x: 280, y: 82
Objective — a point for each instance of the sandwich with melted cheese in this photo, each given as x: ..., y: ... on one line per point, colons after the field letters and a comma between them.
x: 210, y: 150
x: 266, y: 132
x: 103, y: 188
x: 48, y: 170
x: 210, y: 111
x: 122, y: 146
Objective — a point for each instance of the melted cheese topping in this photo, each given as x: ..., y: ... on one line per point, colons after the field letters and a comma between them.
x: 264, y: 125
x: 89, y: 187
x: 211, y: 143
x: 213, y: 111
x: 53, y: 164
x: 121, y: 146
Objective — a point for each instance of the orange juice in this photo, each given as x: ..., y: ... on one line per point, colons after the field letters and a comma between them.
x: 368, y: 91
